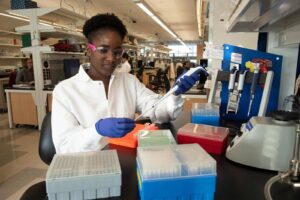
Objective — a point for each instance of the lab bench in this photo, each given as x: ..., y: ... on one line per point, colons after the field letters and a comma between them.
x: 3, y: 81
x: 21, y: 105
x: 234, y: 181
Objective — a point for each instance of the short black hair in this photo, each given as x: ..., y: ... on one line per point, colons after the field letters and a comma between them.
x: 125, y: 55
x: 107, y: 21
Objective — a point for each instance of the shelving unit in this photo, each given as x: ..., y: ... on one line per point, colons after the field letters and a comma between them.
x: 157, y: 52
x: 64, y: 53
x: 10, y: 59
x: 48, y: 22
x: 10, y: 50
x: 10, y: 45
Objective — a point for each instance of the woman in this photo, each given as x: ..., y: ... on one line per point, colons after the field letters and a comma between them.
x: 25, y: 76
x: 98, y: 102
x: 125, y: 66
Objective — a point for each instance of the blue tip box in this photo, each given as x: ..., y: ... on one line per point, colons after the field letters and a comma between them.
x: 205, y: 113
x: 181, y: 172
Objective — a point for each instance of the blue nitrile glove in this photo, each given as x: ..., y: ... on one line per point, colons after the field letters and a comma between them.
x: 114, y: 127
x: 184, y: 83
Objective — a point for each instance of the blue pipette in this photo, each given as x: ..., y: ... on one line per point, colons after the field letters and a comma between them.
x: 172, y: 90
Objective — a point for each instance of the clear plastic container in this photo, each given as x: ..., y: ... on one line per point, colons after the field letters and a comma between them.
x: 87, y: 175
x: 195, y: 160
x: 158, y: 162
x: 212, y: 138
x: 215, y: 133
x: 155, y: 138
x: 205, y: 113
x: 174, y: 161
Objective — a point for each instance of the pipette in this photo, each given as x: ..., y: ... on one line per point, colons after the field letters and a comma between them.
x: 241, y: 82
x: 253, y: 85
x: 172, y: 90
x: 231, y: 84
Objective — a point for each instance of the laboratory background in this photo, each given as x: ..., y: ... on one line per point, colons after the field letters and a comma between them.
x: 236, y: 136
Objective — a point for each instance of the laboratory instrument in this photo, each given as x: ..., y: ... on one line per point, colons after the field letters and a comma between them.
x: 292, y: 176
x: 231, y: 86
x: 172, y: 90
x: 264, y: 142
x: 253, y: 85
x: 241, y: 82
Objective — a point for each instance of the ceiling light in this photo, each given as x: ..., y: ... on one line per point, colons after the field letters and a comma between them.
x: 199, y: 18
x: 145, y: 9
x: 155, y: 18
x: 15, y: 17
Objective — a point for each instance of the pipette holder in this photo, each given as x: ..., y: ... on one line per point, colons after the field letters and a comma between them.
x: 261, y: 97
x: 234, y: 55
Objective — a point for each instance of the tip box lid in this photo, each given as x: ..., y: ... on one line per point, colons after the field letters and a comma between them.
x: 204, y: 131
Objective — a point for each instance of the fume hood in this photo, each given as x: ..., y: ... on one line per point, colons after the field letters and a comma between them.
x: 263, y: 15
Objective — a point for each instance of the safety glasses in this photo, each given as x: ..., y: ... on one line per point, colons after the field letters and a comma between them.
x: 103, y: 50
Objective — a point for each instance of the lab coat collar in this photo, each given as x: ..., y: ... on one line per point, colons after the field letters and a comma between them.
x: 85, y: 77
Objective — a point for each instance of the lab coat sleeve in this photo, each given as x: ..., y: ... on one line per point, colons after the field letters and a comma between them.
x: 68, y: 135
x: 165, y: 111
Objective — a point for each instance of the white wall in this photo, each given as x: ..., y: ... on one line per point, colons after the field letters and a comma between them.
x: 289, y: 65
x: 220, y: 9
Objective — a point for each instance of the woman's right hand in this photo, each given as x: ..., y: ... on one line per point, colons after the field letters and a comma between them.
x: 114, y: 127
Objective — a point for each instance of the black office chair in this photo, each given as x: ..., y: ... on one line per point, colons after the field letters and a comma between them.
x: 46, y: 152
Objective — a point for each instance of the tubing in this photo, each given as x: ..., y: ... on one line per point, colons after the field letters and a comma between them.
x: 268, y: 185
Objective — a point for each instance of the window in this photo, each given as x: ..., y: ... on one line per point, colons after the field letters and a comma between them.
x: 182, y: 51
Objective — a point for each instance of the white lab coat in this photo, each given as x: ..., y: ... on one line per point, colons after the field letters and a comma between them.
x: 79, y: 102
x: 125, y: 67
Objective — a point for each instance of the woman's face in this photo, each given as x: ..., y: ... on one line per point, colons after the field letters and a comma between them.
x: 29, y: 63
x: 108, y: 54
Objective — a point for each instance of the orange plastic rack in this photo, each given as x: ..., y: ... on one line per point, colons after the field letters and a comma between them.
x: 130, y: 139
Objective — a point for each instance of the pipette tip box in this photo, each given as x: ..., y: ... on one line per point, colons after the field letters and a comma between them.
x: 212, y: 138
x: 205, y: 113
x: 130, y: 140
x: 87, y: 175
x: 175, y: 172
x: 155, y: 138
